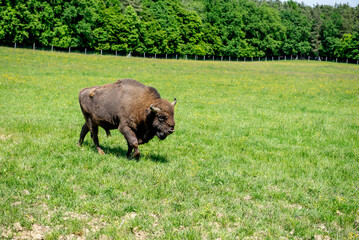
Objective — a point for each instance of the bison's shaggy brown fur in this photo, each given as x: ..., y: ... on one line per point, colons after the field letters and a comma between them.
x: 135, y: 109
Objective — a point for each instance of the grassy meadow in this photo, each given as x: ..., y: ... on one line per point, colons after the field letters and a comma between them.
x: 262, y: 150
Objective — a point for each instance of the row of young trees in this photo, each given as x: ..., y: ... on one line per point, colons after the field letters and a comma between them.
x: 238, y: 28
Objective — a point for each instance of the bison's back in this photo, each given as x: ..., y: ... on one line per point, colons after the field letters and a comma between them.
x: 124, y: 100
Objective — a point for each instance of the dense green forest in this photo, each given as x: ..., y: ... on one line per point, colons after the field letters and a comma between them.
x: 238, y: 28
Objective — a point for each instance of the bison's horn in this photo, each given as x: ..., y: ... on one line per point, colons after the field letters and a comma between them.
x: 154, y: 109
x: 174, y: 102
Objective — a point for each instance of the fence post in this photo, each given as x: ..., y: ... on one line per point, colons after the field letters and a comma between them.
x: 85, y: 51
x: 70, y: 49
x: 166, y: 55
x: 285, y: 57
x: 52, y: 48
x: 101, y: 51
x: 308, y: 58
x: 221, y: 58
x: 213, y: 57
x: 259, y: 59
x: 357, y: 62
x: 204, y: 58
x: 272, y: 58
x: 33, y: 47
x: 229, y: 59
x: 251, y: 59
x: 144, y: 54
x: 291, y: 57
x: 176, y: 56
x: 347, y: 60
x: 265, y: 59
x: 244, y: 58
x: 15, y: 45
x: 336, y: 59
x: 326, y: 59
x: 155, y: 55
x: 186, y: 56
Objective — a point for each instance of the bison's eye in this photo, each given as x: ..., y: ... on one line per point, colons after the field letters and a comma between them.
x: 161, y: 118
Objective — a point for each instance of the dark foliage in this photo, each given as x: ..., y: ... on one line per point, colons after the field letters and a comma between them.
x: 237, y: 28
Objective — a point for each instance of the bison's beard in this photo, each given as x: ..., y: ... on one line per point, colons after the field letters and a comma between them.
x: 161, y: 135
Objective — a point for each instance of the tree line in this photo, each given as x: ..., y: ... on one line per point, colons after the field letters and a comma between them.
x: 237, y: 28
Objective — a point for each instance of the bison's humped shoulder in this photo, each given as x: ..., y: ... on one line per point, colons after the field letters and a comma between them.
x: 153, y: 91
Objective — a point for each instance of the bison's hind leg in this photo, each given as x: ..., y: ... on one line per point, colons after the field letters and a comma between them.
x: 94, y: 131
x: 83, y: 134
x: 93, y: 128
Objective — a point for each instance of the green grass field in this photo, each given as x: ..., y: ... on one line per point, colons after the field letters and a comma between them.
x: 262, y: 150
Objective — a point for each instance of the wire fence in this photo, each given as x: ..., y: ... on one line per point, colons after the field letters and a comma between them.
x: 82, y: 50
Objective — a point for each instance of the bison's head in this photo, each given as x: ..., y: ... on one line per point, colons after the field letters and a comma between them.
x: 163, y: 123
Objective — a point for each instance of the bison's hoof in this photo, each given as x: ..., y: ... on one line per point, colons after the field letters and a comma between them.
x: 136, y: 155
x: 100, y: 151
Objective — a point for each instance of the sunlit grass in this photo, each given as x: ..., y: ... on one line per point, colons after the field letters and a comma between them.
x: 261, y: 150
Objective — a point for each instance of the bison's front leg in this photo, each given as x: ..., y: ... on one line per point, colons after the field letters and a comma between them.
x: 132, y: 141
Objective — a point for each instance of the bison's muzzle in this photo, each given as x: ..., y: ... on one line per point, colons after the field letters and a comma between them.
x: 163, y: 135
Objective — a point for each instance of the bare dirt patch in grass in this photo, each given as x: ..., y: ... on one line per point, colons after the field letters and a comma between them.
x: 18, y: 232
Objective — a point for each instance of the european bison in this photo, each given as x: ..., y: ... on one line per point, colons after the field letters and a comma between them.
x: 135, y: 109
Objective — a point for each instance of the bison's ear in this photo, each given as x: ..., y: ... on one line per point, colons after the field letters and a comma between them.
x: 174, y: 102
x: 154, y: 109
